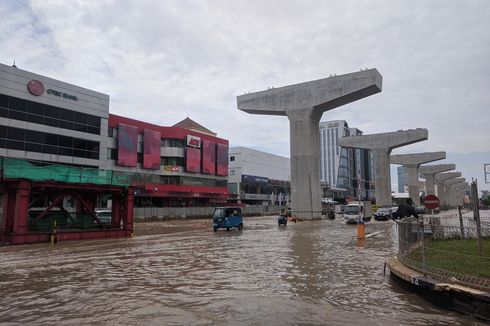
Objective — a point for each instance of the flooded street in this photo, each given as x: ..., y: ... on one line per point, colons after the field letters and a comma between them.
x: 182, y: 273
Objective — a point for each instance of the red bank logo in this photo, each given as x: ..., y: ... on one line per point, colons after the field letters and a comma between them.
x: 193, y: 141
x: 35, y: 87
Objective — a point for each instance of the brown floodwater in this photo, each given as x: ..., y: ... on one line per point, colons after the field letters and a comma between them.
x: 182, y: 273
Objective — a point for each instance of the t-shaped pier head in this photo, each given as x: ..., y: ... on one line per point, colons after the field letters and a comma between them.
x: 304, y: 105
x: 411, y: 162
x: 440, y: 180
x: 381, y: 145
x: 429, y: 171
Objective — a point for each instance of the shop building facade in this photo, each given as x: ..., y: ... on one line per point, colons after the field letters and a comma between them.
x: 259, y: 178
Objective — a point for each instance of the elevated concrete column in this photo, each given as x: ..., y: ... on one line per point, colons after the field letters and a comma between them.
x: 449, y: 190
x: 304, y: 105
x: 382, y: 191
x: 440, y: 180
x: 412, y: 163
x: 429, y: 173
x: 305, y: 161
x: 457, y: 193
x: 381, y: 145
x: 413, y: 185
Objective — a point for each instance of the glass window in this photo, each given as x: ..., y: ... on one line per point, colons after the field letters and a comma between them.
x: 34, y: 136
x: 30, y: 147
x: 65, y: 141
x: 34, y: 118
x: 79, y: 153
x: 51, y: 139
x: 93, y: 130
x: 110, y: 132
x: 17, y: 104
x: 17, y: 115
x: 67, y: 115
x: 14, y: 144
x: 51, y: 111
x: 3, y: 132
x: 80, y: 117
x: 4, y: 112
x: 93, y: 121
x: 66, y: 124
x: 65, y: 151
x: 51, y: 122
x: 232, y: 158
x: 4, y: 101
x: 50, y: 149
x: 35, y: 108
x: 15, y: 133
x: 79, y: 144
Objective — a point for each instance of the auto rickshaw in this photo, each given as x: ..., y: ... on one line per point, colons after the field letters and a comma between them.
x: 227, y: 217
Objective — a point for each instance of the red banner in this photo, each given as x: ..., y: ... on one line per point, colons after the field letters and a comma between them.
x: 127, y: 145
x: 193, y: 159
x: 151, y: 149
x: 208, y: 157
x: 222, y: 160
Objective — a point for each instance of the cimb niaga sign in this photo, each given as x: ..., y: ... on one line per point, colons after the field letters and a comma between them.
x: 193, y: 141
x: 36, y: 88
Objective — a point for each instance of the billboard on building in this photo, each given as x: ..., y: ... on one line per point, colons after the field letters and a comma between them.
x: 222, y: 160
x: 151, y: 149
x: 193, y: 159
x: 208, y: 157
x: 127, y: 145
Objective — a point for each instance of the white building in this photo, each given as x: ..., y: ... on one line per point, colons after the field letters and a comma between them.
x: 257, y: 177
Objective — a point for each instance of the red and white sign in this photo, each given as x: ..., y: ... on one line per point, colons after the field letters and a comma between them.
x: 431, y: 202
x: 35, y: 87
x: 193, y: 141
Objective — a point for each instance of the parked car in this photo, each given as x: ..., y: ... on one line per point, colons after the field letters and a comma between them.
x: 384, y: 213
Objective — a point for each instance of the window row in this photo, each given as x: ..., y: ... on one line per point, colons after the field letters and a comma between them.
x: 40, y: 142
x: 175, y: 161
x: 23, y: 110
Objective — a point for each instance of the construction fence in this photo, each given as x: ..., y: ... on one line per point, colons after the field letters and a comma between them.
x: 456, y: 253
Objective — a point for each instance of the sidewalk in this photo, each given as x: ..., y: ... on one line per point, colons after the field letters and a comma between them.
x: 450, y: 296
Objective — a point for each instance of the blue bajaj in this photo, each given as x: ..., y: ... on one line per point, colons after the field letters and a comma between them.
x: 227, y: 217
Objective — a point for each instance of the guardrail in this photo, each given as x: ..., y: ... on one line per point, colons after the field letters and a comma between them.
x: 456, y: 253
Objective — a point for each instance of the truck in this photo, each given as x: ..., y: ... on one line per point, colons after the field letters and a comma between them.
x: 356, y: 211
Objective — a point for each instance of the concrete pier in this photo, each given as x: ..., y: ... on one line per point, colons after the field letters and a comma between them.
x: 381, y: 146
x: 440, y: 179
x: 411, y: 162
x: 449, y: 189
x: 428, y: 172
x: 456, y: 193
x: 304, y: 105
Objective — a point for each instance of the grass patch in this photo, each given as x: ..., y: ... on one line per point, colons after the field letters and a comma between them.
x: 456, y: 255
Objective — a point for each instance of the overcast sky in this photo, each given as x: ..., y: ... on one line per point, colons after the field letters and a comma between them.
x: 161, y: 61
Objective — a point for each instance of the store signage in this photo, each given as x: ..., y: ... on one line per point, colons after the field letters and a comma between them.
x: 254, y: 179
x: 170, y: 168
x: 35, y: 87
x: 61, y: 94
x: 193, y: 141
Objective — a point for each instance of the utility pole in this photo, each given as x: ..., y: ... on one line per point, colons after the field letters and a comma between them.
x: 476, y: 215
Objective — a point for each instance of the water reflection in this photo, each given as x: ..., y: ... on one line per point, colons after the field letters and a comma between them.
x: 184, y: 273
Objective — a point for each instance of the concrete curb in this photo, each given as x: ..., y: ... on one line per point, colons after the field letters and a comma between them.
x: 450, y: 296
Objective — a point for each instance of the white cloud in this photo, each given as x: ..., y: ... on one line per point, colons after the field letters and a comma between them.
x: 161, y: 61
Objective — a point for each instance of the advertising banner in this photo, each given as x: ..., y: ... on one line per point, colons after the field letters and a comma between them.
x: 127, y: 145
x: 208, y: 157
x: 151, y: 149
x: 193, y: 159
x: 222, y: 160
